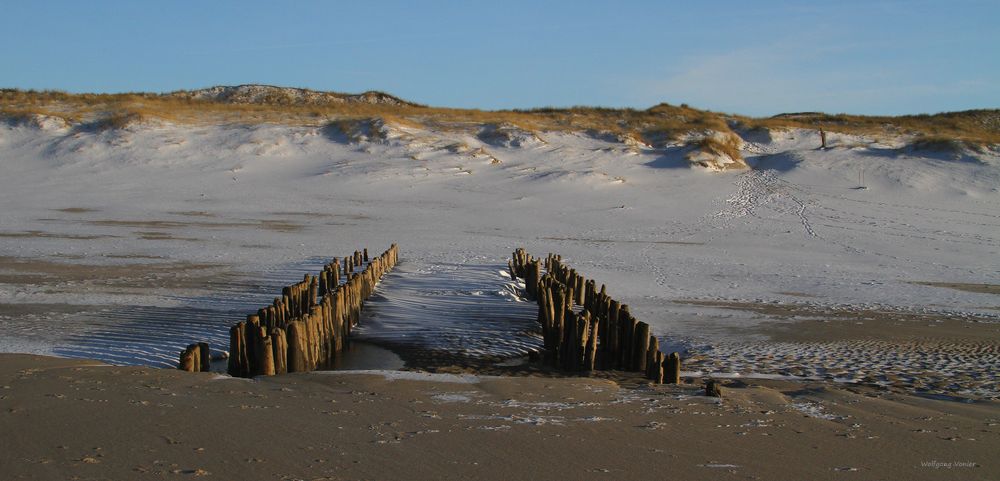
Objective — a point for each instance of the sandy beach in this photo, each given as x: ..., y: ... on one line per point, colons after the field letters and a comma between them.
x: 82, y: 420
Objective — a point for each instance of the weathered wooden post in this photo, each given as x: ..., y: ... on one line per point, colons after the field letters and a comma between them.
x: 550, y: 315
x: 583, y: 337
x: 338, y: 319
x: 627, y: 324
x: 672, y: 371
x: 579, y: 342
x: 601, y: 361
x: 189, y: 359
x: 558, y: 323
x: 713, y: 388
x: 326, y: 332
x: 265, y: 357
x: 288, y: 299
x: 641, y: 345
x: 279, y: 346
x: 297, y: 338
x: 315, y: 334
x: 590, y: 297
x: 535, y: 273
x: 652, y: 349
x: 591, y: 356
x: 568, y: 354
x: 238, y: 364
x: 264, y: 315
x: 312, y: 292
x: 614, y: 337
x: 205, y: 356
x: 544, y: 314
x: 658, y: 367
x: 250, y: 333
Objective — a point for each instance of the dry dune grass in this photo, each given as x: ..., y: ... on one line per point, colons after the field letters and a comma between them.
x: 718, y: 151
x: 656, y: 125
x: 721, y: 145
x: 973, y: 126
x: 944, y: 144
x: 119, y: 119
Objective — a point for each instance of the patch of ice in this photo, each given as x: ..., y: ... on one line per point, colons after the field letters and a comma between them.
x: 451, y: 398
x: 815, y: 410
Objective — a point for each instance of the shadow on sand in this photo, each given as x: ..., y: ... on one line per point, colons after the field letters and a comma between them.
x: 671, y: 158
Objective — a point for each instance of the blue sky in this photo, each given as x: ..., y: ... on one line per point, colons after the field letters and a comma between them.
x: 755, y: 58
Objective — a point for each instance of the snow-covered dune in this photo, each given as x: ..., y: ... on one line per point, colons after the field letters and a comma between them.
x: 254, y: 206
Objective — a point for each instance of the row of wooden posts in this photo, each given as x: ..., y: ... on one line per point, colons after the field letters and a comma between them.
x: 603, y: 334
x: 308, y: 326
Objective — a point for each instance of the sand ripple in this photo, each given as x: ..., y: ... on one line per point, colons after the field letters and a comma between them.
x: 925, y: 366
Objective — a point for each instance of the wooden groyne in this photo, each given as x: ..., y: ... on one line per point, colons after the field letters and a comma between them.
x: 583, y: 328
x: 308, y: 326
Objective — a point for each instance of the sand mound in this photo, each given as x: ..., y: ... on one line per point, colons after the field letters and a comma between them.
x: 955, y: 149
x: 125, y: 121
x: 716, y: 151
x: 38, y: 121
x: 374, y: 130
x: 508, y: 135
x: 627, y: 138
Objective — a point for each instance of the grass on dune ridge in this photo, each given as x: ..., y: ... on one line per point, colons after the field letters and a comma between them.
x: 654, y: 125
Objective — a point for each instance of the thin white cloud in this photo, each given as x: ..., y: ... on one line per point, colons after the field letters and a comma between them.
x: 741, y: 80
x: 796, y: 76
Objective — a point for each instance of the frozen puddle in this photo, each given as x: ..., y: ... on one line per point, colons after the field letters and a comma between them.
x: 450, y: 310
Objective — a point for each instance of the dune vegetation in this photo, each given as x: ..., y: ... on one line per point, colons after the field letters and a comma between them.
x: 655, y: 125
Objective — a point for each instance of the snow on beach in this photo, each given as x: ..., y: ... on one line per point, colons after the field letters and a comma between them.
x: 189, y: 227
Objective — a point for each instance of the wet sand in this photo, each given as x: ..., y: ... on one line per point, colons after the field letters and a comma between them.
x: 70, y: 276
x: 980, y: 288
x: 73, y: 419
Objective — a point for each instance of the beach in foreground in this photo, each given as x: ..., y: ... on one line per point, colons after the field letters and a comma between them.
x: 78, y: 419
